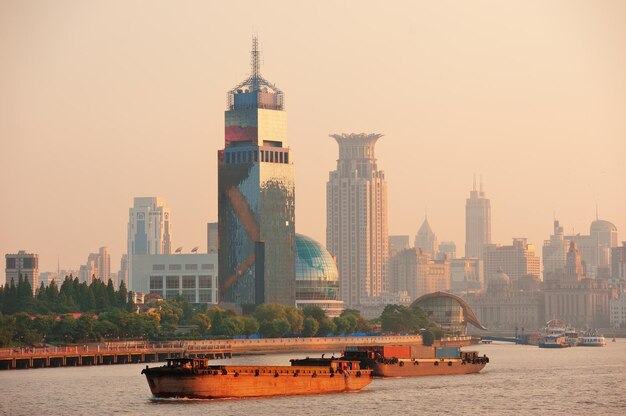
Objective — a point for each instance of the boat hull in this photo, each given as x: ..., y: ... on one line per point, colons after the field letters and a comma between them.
x: 233, y: 381
x: 426, y: 367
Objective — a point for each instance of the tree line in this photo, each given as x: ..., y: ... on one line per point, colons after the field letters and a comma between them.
x: 81, y: 313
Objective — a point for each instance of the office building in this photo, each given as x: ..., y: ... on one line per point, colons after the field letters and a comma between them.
x: 477, y: 222
x: 24, y: 265
x: 212, y: 237
x: 256, y: 196
x: 191, y: 275
x: 415, y: 272
x: 149, y: 230
x: 447, y: 250
x: 466, y: 275
x: 356, y: 219
x: 516, y: 260
x: 554, y: 253
x: 426, y: 240
x: 595, y: 248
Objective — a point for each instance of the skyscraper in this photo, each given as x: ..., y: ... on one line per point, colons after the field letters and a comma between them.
x: 256, y: 198
x: 426, y: 239
x: 149, y: 230
x: 22, y: 265
x: 554, y: 253
x: 516, y: 260
x: 477, y: 222
x: 356, y: 222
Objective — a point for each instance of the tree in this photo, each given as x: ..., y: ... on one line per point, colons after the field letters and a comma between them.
x: 267, y: 312
x: 250, y: 325
x: 202, y: 321
x: 295, y: 317
x: 310, y: 327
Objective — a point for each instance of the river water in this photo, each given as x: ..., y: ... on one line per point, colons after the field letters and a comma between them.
x: 518, y: 380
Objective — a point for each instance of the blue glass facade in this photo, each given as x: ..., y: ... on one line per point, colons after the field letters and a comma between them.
x: 256, y: 199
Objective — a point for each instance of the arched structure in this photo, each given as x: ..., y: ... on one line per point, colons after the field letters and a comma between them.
x: 450, y: 311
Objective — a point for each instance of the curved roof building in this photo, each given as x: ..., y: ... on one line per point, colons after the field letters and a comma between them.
x: 450, y: 311
x: 317, y: 278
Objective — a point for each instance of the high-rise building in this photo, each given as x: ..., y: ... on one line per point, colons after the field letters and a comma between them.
x: 356, y: 218
x: 516, y: 260
x: 24, y: 265
x: 415, y: 272
x: 595, y: 248
x: 426, y: 240
x: 98, y: 266
x: 554, y: 253
x: 466, y: 275
x: 256, y: 198
x: 149, y: 230
x: 397, y: 243
x: 477, y: 222
x: 618, y: 262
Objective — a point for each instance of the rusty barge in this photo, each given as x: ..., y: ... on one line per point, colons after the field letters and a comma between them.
x: 196, y: 378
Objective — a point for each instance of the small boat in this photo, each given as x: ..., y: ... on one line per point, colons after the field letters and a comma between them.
x: 195, y: 378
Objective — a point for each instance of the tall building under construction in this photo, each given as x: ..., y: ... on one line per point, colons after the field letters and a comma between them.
x: 256, y: 213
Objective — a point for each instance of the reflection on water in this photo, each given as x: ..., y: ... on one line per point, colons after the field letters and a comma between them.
x: 518, y: 380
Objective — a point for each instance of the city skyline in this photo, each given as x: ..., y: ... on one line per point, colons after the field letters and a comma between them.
x: 94, y: 114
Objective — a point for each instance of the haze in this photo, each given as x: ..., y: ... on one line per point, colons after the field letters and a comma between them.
x: 104, y: 101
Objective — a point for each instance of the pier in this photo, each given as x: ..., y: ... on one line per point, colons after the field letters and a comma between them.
x: 107, y: 354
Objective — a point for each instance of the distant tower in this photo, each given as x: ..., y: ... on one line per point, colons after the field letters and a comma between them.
x: 477, y: 222
x: 256, y: 198
x: 149, y: 230
x: 356, y: 223
x: 554, y: 253
x: 573, y: 265
x: 426, y: 240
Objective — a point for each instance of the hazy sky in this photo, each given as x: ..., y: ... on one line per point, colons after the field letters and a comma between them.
x: 102, y: 101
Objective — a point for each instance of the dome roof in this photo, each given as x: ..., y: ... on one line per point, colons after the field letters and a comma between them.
x: 313, y: 261
x: 500, y: 277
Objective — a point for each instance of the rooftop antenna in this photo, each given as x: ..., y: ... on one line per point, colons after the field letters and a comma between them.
x: 474, y: 180
x: 481, y: 183
x: 255, y: 60
x: 596, y: 212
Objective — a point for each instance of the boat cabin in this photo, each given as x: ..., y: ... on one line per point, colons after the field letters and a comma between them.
x: 188, y: 363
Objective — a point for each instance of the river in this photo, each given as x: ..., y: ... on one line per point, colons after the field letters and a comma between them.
x: 518, y: 380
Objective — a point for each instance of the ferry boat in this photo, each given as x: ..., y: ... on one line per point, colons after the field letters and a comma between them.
x: 591, y: 339
x: 195, y: 378
x: 553, y: 341
x: 415, y: 361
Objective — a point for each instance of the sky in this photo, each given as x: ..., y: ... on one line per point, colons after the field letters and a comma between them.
x: 104, y: 101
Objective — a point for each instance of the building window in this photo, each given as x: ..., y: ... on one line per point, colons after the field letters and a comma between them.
x: 174, y: 267
x: 189, y: 282
x: 205, y: 296
x: 172, y: 282
x: 158, y: 267
x: 205, y: 282
x: 191, y: 267
x: 156, y: 282
x: 171, y: 294
x: 207, y: 267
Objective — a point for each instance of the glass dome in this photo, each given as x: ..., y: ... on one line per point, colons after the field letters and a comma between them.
x: 317, y: 277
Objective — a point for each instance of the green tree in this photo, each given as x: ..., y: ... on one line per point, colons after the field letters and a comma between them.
x: 202, y: 321
x: 267, y: 312
x: 310, y: 327
x: 295, y: 317
x: 250, y: 325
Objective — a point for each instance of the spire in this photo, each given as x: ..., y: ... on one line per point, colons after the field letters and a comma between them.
x: 474, y: 181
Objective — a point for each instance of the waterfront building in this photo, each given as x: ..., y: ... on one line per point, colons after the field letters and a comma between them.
x: 24, y: 265
x: 415, y: 272
x: 212, y: 237
x: 450, y: 311
x: 256, y: 196
x: 447, y: 249
x: 466, y: 275
x: 426, y: 239
x: 575, y: 298
x: 477, y: 222
x: 149, y: 230
x: 516, y: 260
x: 508, y: 303
x: 190, y: 275
x: 617, y: 311
x: 554, y: 253
x: 317, y: 278
x: 356, y: 219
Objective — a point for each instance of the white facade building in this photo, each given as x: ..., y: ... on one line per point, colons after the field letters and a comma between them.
x: 356, y: 223
x: 193, y: 276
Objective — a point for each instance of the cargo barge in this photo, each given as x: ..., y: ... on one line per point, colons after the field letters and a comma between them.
x: 195, y: 378
x: 415, y: 361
